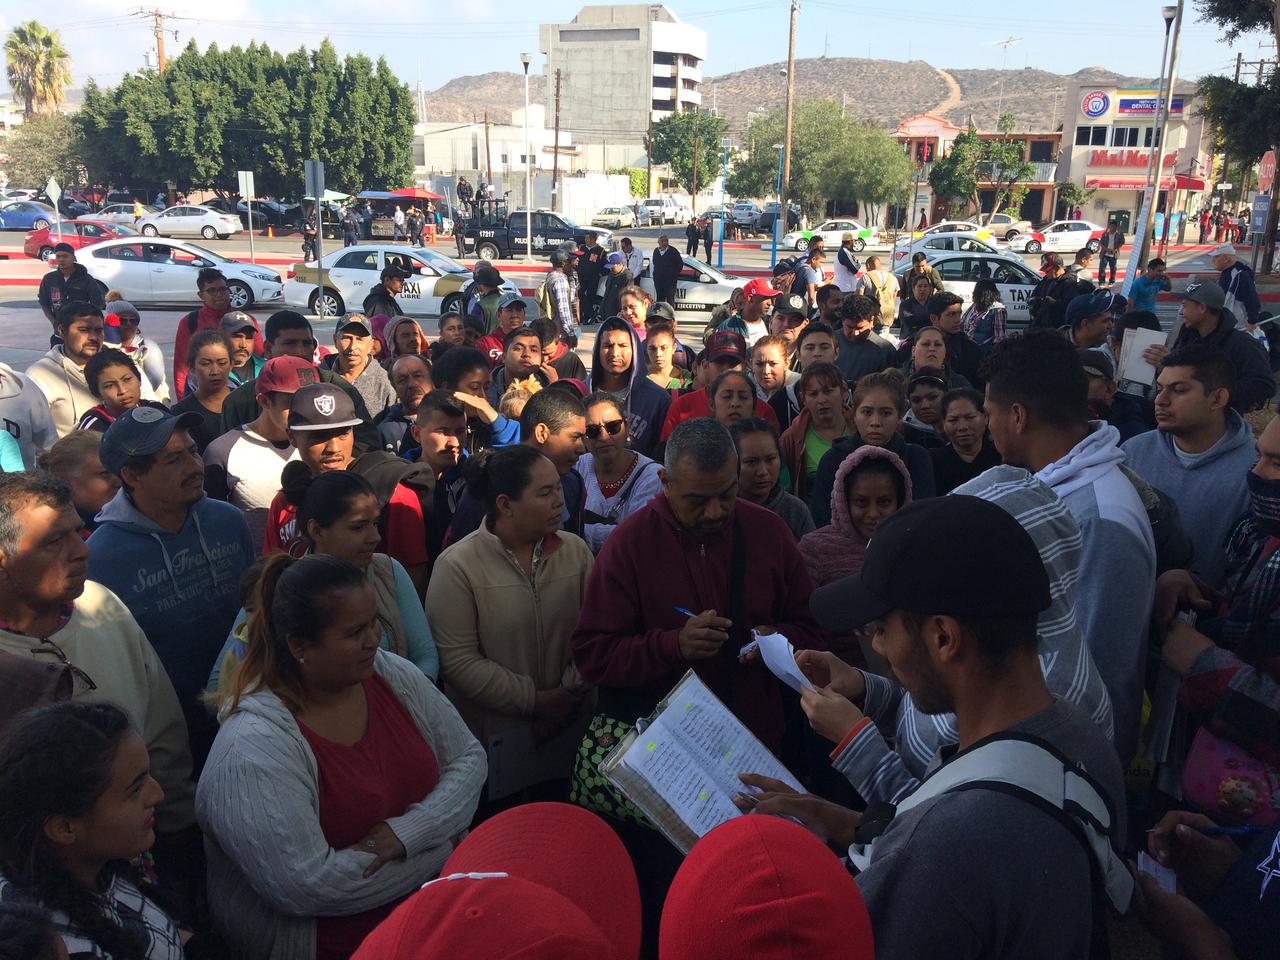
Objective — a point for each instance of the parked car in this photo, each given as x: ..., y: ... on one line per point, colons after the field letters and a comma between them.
x: 79, y: 233
x: 1006, y: 225
x: 190, y: 220
x: 700, y: 287
x: 764, y: 224
x: 832, y: 233
x: 498, y: 235
x: 962, y: 242
x: 643, y: 217
x: 148, y: 270
x: 26, y: 215
x: 124, y: 212
x: 664, y: 210
x: 1063, y: 236
x: 960, y: 271
x: 20, y: 193
x: 684, y: 212
x: 947, y: 226
x: 68, y: 204
x: 347, y: 276
x: 745, y: 214
x: 239, y: 211
x: 616, y: 217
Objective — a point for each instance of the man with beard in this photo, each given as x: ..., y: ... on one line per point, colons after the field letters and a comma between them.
x: 953, y: 587
x: 862, y: 350
x: 172, y: 554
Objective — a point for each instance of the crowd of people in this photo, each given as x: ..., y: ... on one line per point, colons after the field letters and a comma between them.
x: 317, y: 651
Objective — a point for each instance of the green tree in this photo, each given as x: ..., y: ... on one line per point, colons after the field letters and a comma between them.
x: 972, y: 162
x: 955, y: 174
x: 690, y: 144
x: 38, y: 66
x: 44, y: 147
x: 1071, y: 194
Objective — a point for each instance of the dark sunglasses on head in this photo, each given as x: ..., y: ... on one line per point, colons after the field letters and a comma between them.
x: 614, y: 427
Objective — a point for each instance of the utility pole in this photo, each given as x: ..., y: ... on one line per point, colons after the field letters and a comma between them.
x: 783, y: 208
x: 1164, y: 100
x: 648, y: 156
x: 159, y: 18
x: 555, y: 152
x: 693, y: 194
x: 488, y: 155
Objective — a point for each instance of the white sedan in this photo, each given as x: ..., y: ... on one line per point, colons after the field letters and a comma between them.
x: 616, y: 217
x: 960, y: 271
x: 700, y: 288
x: 164, y: 271
x: 945, y: 226
x: 190, y: 220
x: 961, y: 242
x: 349, y: 274
x: 1063, y: 236
x: 831, y: 232
x: 123, y: 213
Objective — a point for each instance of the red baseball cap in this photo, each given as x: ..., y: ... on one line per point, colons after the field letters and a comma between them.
x: 285, y: 375
x: 727, y: 343
x: 542, y: 881
x: 766, y: 888
x: 759, y: 287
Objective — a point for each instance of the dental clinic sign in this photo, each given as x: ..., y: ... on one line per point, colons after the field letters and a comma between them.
x: 1142, y: 103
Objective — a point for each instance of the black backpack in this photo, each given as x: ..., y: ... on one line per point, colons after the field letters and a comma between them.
x: 385, y: 471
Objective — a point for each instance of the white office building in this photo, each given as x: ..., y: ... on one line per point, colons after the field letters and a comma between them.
x: 622, y: 67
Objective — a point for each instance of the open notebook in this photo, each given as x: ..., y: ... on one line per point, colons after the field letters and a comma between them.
x: 681, y: 765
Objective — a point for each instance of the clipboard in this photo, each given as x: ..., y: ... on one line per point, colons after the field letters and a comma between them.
x: 680, y: 766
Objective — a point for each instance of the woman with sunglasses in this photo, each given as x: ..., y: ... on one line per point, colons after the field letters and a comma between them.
x: 122, y: 323
x: 619, y: 481
x: 502, y: 603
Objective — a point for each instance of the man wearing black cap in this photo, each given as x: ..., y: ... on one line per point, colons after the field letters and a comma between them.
x: 353, y: 360
x: 953, y: 586
x: 382, y: 298
x: 561, y: 294
x: 665, y: 265
x: 617, y: 279
x: 68, y: 281
x: 510, y: 315
x: 488, y: 289
x: 1088, y: 320
x: 172, y: 554
x: 1049, y: 298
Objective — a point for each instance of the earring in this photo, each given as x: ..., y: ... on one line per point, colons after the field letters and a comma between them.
x: 302, y: 659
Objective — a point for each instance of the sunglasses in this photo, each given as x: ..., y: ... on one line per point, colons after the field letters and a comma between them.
x: 613, y: 427
x: 48, y: 646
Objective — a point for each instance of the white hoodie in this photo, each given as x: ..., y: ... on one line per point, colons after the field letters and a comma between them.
x: 24, y: 413
x: 66, y: 389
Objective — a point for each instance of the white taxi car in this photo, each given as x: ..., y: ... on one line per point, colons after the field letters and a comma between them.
x: 350, y: 273
x: 960, y: 271
x: 700, y: 288
x: 147, y: 270
x: 831, y: 232
x: 946, y: 226
x: 928, y: 244
x: 1061, y: 236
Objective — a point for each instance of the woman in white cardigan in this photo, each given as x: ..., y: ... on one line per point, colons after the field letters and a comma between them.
x: 340, y: 779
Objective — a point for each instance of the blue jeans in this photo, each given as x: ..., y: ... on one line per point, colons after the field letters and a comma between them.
x: 1104, y: 262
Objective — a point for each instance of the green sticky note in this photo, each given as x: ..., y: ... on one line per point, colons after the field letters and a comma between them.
x: 652, y: 746
x: 702, y: 795
x: 688, y: 707
x: 728, y: 754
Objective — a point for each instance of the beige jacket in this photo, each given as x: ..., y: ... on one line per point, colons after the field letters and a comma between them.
x: 64, y: 386
x: 500, y: 636
x: 104, y: 641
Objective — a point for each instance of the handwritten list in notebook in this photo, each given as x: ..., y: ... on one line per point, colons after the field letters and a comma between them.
x: 682, y: 769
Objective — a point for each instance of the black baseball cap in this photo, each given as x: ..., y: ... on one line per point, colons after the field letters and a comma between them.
x: 394, y: 269
x: 791, y: 303
x: 140, y: 432
x: 322, y: 406
x: 954, y: 555
x: 660, y: 311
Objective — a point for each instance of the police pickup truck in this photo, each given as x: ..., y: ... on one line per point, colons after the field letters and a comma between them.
x: 495, y: 234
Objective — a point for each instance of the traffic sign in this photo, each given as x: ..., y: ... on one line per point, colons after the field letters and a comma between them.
x: 1259, y: 212
x: 246, y: 183
x: 1266, y: 171
x: 53, y: 191
x: 1224, y: 186
x: 313, y: 173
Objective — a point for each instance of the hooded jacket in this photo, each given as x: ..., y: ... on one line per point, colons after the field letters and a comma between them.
x: 1119, y: 563
x: 836, y: 550
x: 24, y: 413
x: 1237, y: 281
x: 64, y: 386
x: 646, y: 403
x: 627, y: 637
x: 271, y: 871
x: 1255, y: 383
x: 56, y: 290
x: 389, y: 340
x: 916, y: 458
x: 183, y: 588
x: 792, y: 445
x: 1207, y: 517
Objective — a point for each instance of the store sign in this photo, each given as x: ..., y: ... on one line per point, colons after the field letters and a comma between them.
x: 1094, y: 104
x: 1142, y: 103
x: 1127, y: 158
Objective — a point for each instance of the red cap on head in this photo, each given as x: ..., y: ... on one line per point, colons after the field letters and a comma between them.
x: 285, y: 375
x: 765, y: 888
x: 542, y: 881
x: 759, y: 287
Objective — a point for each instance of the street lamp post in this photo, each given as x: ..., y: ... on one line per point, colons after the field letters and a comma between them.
x: 724, y: 209
x: 773, y: 243
x: 528, y: 167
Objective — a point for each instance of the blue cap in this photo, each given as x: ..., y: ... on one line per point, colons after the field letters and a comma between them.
x: 140, y: 432
x: 1081, y: 308
x: 615, y: 258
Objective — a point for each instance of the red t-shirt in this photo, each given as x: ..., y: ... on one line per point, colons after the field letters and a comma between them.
x: 697, y: 403
x: 375, y: 779
x: 491, y: 346
x: 406, y: 537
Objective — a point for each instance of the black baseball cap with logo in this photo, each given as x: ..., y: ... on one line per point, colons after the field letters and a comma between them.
x: 322, y: 406
x: 791, y: 303
x: 955, y: 555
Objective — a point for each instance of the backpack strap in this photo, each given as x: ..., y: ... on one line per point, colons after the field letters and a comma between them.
x: 1032, y: 770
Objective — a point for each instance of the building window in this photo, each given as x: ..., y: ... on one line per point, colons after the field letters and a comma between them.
x: 502, y: 158
x: 1148, y: 136
x: 666, y: 83
x: 1082, y: 136
x: 1041, y: 151
x: 663, y: 59
x: 1124, y: 136
x: 665, y: 106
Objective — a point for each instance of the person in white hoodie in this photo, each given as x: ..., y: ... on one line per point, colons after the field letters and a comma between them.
x: 24, y: 414
x: 60, y: 373
x: 1037, y: 402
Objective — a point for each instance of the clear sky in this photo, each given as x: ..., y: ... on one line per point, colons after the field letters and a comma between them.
x: 441, y: 40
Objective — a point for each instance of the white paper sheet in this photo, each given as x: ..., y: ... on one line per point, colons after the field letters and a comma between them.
x: 1132, y: 366
x: 780, y: 657
x: 1165, y: 878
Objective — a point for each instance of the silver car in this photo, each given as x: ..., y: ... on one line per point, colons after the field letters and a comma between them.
x: 123, y: 212
x: 190, y: 220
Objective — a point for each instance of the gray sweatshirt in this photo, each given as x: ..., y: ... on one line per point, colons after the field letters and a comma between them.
x: 1209, y: 488
x: 271, y: 871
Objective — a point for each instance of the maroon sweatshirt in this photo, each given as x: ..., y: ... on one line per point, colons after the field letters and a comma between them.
x: 626, y: 640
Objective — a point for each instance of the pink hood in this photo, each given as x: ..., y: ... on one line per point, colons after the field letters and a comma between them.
x: 837, y: 551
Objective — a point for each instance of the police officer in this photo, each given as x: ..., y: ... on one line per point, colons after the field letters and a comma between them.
x: 309, y: 233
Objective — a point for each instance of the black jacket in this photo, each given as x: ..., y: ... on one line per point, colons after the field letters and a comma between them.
x: 665, y: 267
x: 1049, y: 300
x: 1255, y: 383
x: 919, y: 465
x: 56, y: 290
x: 590, y: 267
x: 380, y: 301
x: 614, y: 283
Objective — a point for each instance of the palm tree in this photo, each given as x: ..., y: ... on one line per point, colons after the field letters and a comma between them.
x: 38, y: 65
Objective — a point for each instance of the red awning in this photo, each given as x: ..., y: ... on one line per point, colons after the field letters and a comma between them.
x: 416, y: 193
x: 1183, y: 182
